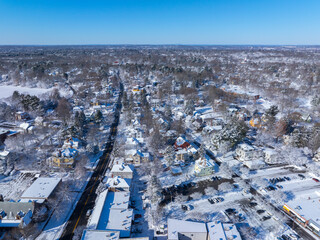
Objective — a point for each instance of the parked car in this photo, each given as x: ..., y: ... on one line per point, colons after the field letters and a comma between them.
x: 315, y: 179
x: 88, y: 213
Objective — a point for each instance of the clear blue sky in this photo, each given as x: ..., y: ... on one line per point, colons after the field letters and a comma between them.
x: 159, y: 22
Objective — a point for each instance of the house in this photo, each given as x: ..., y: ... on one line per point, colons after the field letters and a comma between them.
x: 122, y: 170
x: 181, y: 154
x: 176, y: 170
x: 15, y: 214
x: 270, y: 156
x: 204, y: 167
x: 246, y: 152
x: 40, y: 190
x: 133, y: 142
x: 222, y: 231
x: 63, y: 158
x: 118, y: 184
x: 26, y: 127
x: 71, y: 143
x: 135, y: 157
x: 22, y: 116
x: 186, y: 230
x: 181, y: 144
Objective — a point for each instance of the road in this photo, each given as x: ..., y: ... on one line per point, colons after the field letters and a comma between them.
x: 88, y: 197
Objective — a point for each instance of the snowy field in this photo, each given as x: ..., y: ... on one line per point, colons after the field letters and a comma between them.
x: 7, y: 90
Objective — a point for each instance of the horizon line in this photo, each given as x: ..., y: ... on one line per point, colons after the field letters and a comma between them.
x: 160, y: 44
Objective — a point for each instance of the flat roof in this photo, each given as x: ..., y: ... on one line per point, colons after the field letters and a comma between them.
x: 222, y: 231
x: 307, y: 205
x: 117, y: 200
x: 100, y: 234
x: 41, y: 189
x: 116, y: 220
x: 180, y: 226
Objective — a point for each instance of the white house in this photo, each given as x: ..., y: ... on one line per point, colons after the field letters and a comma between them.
x: 246, y: 152
x: 122, y: 170
x: 117, y: 184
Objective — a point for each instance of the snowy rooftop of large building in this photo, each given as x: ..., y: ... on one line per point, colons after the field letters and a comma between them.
x: 116, y: 220
x: 100, y: 234
x: 111, y: 213
x: 41, y: 189
x: 117, y: 200
x: 307, y: 205
x: 222, y: 231
x: 179, y: 226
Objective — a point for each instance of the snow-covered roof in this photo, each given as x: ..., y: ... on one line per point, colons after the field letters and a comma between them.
x: 222, y: 231
x: 4, y: 153
x: 307, y: 206
x: 9, y: 211
x: 100, y: 234
x: 179, y: 226
x: 69, y: 152
x: 116, y: 220
x: 118, y: 182
x: 121, y: 168
x: 180, y: 141
x: 96, y: 213
x: 246, y: 147
x: 176, y: 170
x: 41, y: 189
x: 117, y: 200
x: 255, y: 164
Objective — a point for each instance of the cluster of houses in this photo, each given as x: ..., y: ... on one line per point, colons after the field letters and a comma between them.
x: 20, y: 213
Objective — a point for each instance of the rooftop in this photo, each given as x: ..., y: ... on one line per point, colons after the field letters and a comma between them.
x: 180, y: 226
x: 100, y: 234
x: 121, y: 168
x: 41, y: 189
x: 222, y: 231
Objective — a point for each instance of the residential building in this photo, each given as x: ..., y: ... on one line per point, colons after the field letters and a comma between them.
x: 118, y: 184
x: 204, y: 167
x: 122, y: 170
x: 15, y: 214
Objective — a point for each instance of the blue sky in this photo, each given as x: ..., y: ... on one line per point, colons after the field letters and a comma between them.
x: 160, y: 22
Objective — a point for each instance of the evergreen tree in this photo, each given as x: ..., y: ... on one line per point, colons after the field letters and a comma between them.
x: 98, y: 116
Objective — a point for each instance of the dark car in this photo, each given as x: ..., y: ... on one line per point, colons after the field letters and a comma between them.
x: 253, y: 204
x: 265, y: 218
x: 230, y: 210
x: 260, y: 211
x: 184, y: 207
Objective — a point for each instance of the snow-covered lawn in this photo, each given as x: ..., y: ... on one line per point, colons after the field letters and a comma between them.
x: 7, y: 90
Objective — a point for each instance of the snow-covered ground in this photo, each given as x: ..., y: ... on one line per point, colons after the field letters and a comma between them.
x: 7, y: 90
